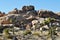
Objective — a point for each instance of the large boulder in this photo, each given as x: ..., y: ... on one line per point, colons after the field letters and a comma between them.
x: 28, y: 8
x: 46, y: 14
x: 15, y: 11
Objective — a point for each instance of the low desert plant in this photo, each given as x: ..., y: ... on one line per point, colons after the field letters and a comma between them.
x: 36, y: 33
x: 27, y: 32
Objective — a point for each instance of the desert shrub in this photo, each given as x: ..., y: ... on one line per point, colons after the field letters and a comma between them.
x: 27, y: 32
x: 6, y: 33
x: 36, y: 33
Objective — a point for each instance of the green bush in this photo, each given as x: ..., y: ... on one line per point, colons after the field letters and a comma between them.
x: 6, y: 31
x: 27, y: 32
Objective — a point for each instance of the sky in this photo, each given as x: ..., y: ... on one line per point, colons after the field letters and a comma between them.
x: 8, y: 5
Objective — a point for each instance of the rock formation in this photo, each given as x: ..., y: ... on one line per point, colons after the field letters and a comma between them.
x: 45, y: 14
x: 26, y: 15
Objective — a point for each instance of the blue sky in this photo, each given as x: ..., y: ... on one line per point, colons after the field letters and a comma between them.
x: 8, y: 5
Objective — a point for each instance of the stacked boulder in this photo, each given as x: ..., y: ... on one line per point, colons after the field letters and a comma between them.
x: 28, y: 8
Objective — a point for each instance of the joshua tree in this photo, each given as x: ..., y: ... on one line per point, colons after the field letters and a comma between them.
x: 52, y: 32
x: 47, y: 22
x: 13, y: 21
